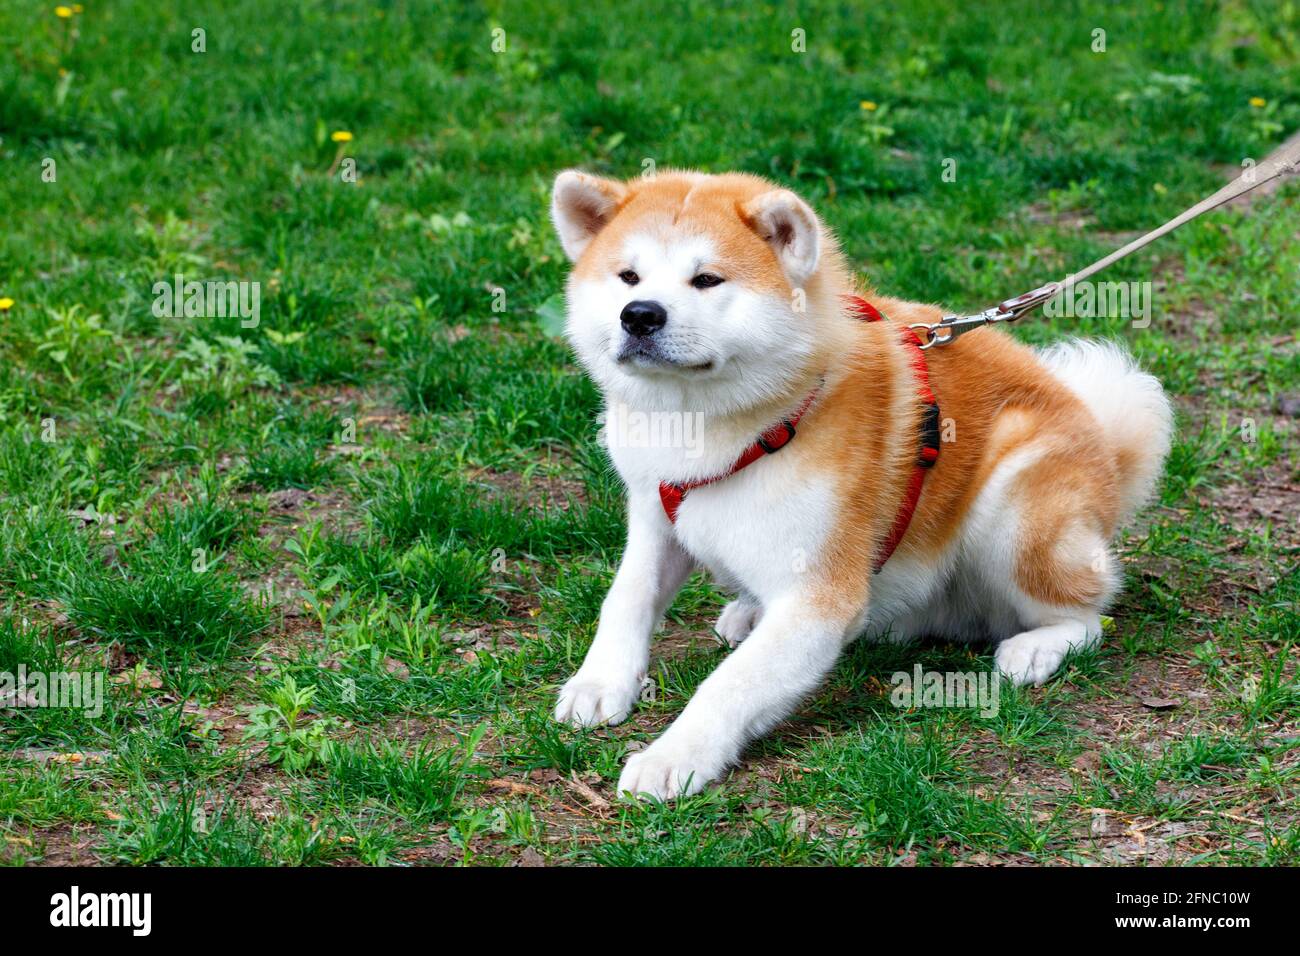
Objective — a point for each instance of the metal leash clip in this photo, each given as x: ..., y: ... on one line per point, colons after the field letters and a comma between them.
x: 1285, y: 162
x: 950, y: 327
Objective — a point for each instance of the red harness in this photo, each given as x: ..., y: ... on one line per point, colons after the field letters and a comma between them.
x: 780, y: 435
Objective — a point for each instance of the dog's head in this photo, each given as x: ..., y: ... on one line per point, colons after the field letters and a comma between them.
x: 690, y: 288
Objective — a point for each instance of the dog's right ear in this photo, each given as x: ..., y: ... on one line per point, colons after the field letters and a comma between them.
x: 787, y: 224
x: 581, y: 206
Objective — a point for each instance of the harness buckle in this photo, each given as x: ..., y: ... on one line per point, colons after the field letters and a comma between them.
x: 773, y: 445
x: 930, y: 436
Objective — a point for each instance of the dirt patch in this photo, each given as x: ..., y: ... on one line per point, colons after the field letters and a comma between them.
x: 64, y: 845
x: 552, y: 490
x: 1268, y: 504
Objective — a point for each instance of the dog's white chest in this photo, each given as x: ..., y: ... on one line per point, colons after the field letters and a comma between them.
x: 759, y: 529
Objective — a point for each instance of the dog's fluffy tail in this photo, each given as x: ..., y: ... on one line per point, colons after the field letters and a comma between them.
x: 1129, y: 404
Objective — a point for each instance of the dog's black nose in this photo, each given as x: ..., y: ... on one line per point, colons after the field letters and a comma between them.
x: 643, y: 318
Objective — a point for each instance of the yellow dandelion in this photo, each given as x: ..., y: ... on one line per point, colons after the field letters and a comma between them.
x: 868, y: 105
x: 1258, y: 102
x: 78, y: 8
x: 63, y: 12
x: 6, y: 304
x: 341, y: 136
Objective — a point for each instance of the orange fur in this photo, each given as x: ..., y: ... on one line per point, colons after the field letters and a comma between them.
x: 994, y: 398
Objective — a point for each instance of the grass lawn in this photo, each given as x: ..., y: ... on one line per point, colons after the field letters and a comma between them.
x: 335, y: 566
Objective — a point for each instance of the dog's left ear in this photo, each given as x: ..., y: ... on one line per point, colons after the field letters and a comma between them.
x: 787, y: 224
x: 581, y: 206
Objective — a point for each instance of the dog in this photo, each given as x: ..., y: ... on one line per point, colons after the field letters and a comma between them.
x: 844, y: 482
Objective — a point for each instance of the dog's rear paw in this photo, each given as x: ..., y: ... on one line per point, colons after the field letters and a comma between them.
x: 736, y: 621
x: 592, y: 701
x: 1029, y: 658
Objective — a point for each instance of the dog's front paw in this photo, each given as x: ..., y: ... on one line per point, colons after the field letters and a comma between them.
x: 1028, y: 659
x: 736, y: 621
x: 589, y: 700
x: 666, y: 770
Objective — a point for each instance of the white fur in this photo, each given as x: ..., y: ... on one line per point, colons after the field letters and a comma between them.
x: 653, y: 569
x: 756, y: 687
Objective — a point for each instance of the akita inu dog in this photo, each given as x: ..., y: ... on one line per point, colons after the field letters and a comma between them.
x: 845, y: 482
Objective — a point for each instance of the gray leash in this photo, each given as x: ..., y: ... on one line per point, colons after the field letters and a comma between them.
x: 952, y: 326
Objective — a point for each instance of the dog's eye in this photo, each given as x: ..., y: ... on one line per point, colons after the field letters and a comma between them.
x: 706, y: 280
x: 630, y: 277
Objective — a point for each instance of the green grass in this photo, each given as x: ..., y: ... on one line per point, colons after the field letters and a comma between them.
x: 381, y: 515
x: 166, y: 605
x: 423, y: 784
